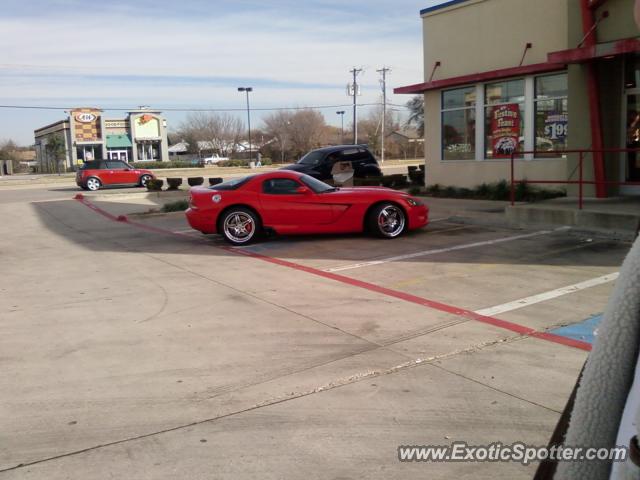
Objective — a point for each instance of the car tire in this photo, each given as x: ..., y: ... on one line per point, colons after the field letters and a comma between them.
x: 386, y: 220
x: 93, y: 184
x: 144, y: 179
x: 239, y: 226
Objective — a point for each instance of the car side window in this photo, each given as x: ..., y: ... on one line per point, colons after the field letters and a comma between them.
x: 349, y: 153
x: 333, y: 158
x: 91, y: 165
x: 114, y: 165
x: 103, y: 166
x: 367, y: 156
x: 280, y: 186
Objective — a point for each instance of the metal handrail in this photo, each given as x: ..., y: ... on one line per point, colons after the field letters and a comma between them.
x: 580, y: 182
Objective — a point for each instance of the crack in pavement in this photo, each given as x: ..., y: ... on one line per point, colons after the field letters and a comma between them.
x: 339, y: 383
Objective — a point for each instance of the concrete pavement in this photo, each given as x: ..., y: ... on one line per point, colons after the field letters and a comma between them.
x: 130, y: 353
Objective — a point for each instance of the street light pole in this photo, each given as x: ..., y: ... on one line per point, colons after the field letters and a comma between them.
x: 247, y: 90
x: 341, y: 113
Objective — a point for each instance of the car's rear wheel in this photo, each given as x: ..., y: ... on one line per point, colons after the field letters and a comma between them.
x: 240, y: 226
x: 93, y: 184
x: 386, y: 220
x: 144, y: 179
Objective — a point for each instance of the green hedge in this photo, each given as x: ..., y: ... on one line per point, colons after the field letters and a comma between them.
x: 496, y: 191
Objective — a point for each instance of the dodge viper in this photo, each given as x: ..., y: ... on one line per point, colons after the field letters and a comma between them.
x: 287, y: 202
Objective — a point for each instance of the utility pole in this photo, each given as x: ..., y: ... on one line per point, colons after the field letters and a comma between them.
x: 383, y: 71
x: 354, y: 88
x: 248, y: 90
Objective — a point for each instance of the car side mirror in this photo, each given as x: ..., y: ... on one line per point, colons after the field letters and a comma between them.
x: 304, y: 190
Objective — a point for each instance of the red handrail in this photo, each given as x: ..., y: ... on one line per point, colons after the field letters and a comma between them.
x: 580, y: 182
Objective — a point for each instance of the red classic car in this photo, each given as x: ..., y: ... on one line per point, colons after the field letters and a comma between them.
x: 287, y: 202
x: 99, y: 173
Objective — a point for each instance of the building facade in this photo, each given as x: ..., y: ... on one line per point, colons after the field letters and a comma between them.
x: 542, y: 77
x: 87, y: 135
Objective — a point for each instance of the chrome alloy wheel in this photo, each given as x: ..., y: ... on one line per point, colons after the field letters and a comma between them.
x: 391, y: 221
x: 239, y: 227
x: 93, y: 184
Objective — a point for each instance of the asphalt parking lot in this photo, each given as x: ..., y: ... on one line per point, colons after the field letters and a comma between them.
x: 141, y: 349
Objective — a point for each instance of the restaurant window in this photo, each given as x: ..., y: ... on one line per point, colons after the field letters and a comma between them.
x: 459, y: 124
x: 504, y: 118
x: 551, y: 112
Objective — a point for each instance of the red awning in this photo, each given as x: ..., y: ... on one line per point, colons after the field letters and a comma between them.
x: 593, y: 52
x: 481, y: 77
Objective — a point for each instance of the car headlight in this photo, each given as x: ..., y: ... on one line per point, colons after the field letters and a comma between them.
x: 414, y: 202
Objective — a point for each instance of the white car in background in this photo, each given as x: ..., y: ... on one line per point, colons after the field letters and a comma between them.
x: 214, y: 159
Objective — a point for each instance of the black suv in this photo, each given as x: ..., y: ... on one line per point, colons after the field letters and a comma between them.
x: 318, y: 163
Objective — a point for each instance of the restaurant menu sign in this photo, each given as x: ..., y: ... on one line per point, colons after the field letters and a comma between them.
x: 505, y: 129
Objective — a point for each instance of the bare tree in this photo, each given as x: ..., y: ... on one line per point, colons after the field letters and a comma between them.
x: 308, y: 130
x: 222, y: 131
x: 370, y: 127
x: 295, y: 133
x: 277, y: 126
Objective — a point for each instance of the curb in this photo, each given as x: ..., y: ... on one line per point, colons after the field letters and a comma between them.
x: 177, y: 194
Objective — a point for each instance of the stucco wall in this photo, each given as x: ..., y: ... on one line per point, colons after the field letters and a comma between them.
x: 620, y: 23
x: 481, y: 35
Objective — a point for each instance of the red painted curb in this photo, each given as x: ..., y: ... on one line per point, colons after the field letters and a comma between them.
x: 407, y: 297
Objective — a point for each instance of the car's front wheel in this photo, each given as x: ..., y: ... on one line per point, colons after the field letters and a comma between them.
x: 144, y: 179
x: 239, y: 226
x: 386, y: 220
x: 93, y: 184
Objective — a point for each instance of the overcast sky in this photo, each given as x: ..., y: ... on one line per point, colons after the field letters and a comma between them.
x: 195, y: 53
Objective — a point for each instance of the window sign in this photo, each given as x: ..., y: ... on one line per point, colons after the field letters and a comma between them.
x: 505, y: 129
x: 555, y: 126
x: 551, y: 113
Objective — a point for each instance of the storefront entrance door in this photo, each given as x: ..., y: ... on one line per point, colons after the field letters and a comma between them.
x: 118, y: 155
x: 631, y: 163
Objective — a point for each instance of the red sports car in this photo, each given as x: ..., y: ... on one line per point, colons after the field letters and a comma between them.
x: 288, y: 202
x: 96, y: 174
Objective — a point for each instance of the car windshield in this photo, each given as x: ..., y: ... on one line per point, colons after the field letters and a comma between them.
x: 316, y: 185
x: 311, y: 158
x: 231, y: 184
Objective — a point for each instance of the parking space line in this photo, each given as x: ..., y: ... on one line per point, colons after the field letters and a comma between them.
x: 443, y: 307
x: 441, y: 250
x: 407, y: 297
x: 543, y: 297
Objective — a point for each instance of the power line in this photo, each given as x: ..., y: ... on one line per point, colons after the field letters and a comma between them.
x: 194, y: 109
